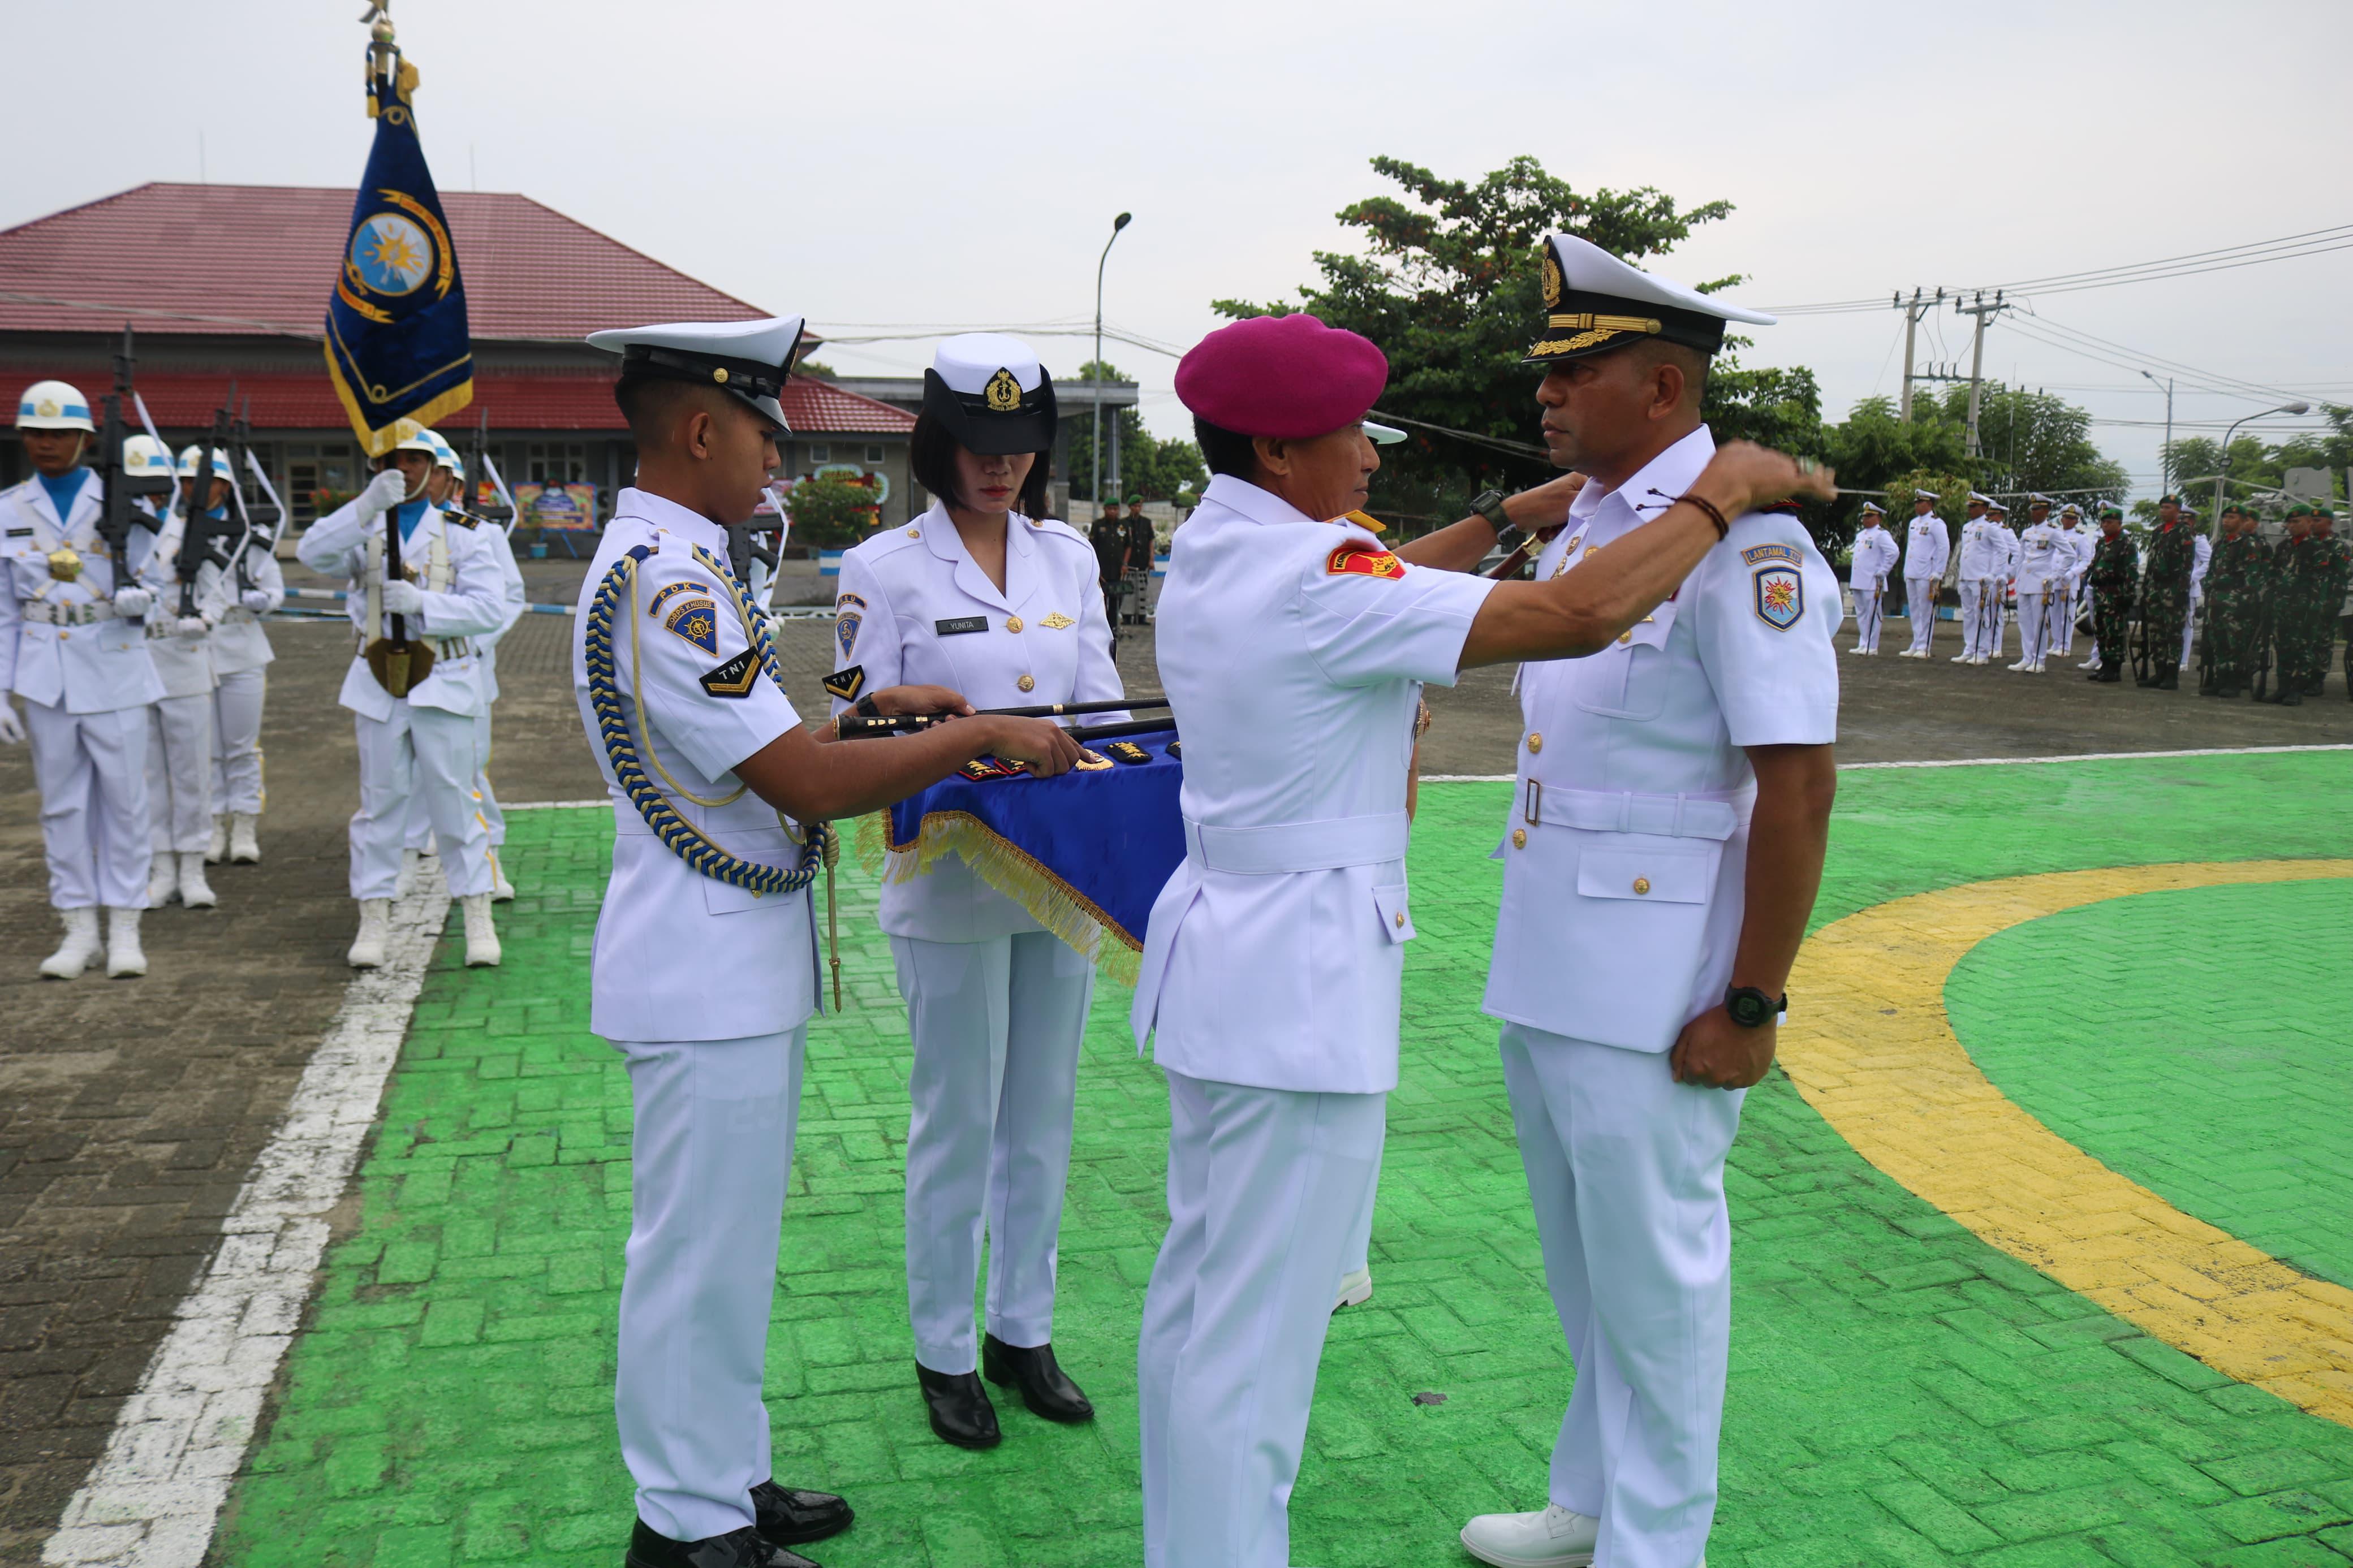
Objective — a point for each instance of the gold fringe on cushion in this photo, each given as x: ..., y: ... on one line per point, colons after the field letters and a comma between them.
x: 995, y: 861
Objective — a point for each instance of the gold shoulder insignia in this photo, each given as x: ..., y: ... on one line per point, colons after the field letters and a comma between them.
x: 1128, y: 751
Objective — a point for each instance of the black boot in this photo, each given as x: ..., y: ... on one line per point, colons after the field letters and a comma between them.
x: 787, y: 1517
x: 1045, y: 1387
x: 961, y: 1412
x: 2168, y: 677
x: 2110, y: 675
x: 2291, y: 697
x: 648, y: 1548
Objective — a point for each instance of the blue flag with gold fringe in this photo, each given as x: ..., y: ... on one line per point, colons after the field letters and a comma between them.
x: 397, y: 341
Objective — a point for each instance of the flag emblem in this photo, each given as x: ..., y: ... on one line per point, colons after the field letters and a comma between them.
x: 391, y: 254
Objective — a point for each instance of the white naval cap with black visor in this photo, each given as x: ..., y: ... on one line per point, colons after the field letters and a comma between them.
x: 1594, y: 303
x: 750, y: 360
x: 990, y: 392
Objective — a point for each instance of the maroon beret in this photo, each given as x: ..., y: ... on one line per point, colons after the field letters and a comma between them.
x: 1288, y: 378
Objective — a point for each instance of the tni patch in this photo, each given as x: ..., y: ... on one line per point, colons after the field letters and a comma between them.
x: 1781, y: 596
x: 734, y: 678
x: 696, y: 620
x: 1359, y: 559
x: 846, y: 684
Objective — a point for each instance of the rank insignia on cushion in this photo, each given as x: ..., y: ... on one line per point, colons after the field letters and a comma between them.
x: 696, y: 620
x: 1781, y: 596
x: 1356, y: 558
x: 734, y: 678
x: 846, y: 684
x: 1128, y: 751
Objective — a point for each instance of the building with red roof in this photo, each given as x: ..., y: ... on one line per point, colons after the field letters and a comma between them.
x: 223, y: 283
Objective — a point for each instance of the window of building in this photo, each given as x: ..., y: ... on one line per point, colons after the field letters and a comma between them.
x: 320, y: 477
x: 821, y: 453
x: 556, y: 462
x: 875, y: 451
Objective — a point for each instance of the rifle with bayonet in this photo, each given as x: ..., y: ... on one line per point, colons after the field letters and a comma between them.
x: 260, y: 515
x: 499, y: 510
x: 117, y: 516
x: 203, y: 536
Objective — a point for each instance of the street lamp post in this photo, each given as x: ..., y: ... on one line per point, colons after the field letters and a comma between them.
x: 2168, y: 460
x: 1095, y: 370
x: 2222, y: 468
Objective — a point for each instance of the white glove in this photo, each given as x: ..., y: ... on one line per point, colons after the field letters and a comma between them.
x: 11, y: 729
x: 191, y: 628
x: 133, y: 601
x: 384, y: 492
x: 402, y: 598
x: 255, y: 599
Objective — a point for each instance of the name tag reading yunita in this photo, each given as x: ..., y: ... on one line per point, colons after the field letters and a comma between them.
x: 958, y: 626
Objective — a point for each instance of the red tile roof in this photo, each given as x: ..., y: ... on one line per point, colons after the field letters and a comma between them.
x: 525, y: 400
x: 260, y: 258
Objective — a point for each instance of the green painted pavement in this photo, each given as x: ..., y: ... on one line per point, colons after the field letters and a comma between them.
x: 2198, y: 1042
x: 1901, y: 1394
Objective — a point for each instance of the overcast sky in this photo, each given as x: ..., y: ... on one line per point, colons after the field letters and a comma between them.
x: 948, y: 165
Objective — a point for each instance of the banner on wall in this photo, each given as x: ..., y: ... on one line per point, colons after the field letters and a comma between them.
x: 564, y: 508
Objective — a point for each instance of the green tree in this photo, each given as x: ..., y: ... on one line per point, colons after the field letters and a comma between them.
x: 2035, y: 441
x: 2251, y: 462
x: 1148, y: 466
x: 1872, y: 449
x: 828, y: 509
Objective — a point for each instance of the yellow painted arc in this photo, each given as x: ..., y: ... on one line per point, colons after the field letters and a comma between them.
x: 1899, y: 1088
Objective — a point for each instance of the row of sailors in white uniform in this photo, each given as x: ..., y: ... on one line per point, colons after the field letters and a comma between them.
x: 2044, y: 567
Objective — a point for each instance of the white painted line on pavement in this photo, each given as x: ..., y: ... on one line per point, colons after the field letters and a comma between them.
x: 154, y: 1497
x: 1982, y: 761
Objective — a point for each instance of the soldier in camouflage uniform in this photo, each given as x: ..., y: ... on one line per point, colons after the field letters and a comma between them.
x: 2236, y: 584
x: 2172, y: 552
x: 2115, y: 566
x: 2332, y: 569
x: 2295, y: 578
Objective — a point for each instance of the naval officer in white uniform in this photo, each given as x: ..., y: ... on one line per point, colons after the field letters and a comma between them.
x: 1662, y: 854
x: 985, y: 594
x: 1874, y: 557
x: 2041, y: 575
x: 72, y: 646
x: 1293, y: 649
x: 1982, y: 556
x: 705, y: 984
x: 420, y: 742
x: 1928, y: 549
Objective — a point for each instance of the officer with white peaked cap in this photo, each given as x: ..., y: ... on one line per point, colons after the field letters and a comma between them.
x: 1294, y: 647
x: 2039, y: 573
x: 986, y: 593
x: 1982, y: 555
x: 1928, y: 549
x: 1665, y: 842
x: 1875, y: 555
x: 703, y: 974
x: 72, y: 646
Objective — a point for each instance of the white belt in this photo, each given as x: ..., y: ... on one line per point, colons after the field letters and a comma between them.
x: 1298, y: 846
x: 83, y: 615
x: 1709, y: 814
x: 238, y: 615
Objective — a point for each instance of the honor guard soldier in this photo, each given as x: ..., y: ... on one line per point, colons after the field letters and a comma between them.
x: 985, y: 594
x: 704, y: 972
x: 1873, y: 558
x: 72, y: 646
x: 1664, y: 843
x: 2114, y: 574
x: 180, y: 722
x: 414, y: 685
x: 2041, y: 576
x: 1928, y: 549
x: 1294, y: 648
x: 2172, y: 556
x: 2237, y: 581
x: 1982, y: 556
x: 252, y: 586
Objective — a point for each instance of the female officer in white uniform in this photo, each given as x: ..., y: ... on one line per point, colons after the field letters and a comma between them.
x: 984, y: 595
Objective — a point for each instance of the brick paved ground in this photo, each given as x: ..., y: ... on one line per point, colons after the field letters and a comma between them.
x: 1901, y: 1394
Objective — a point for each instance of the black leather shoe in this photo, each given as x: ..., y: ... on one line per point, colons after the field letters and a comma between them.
x: 744, y: 1548
x: 787, y: 1517
x: 2291, y: 700
x: 1045, y: 1387
x: 961, y: 1412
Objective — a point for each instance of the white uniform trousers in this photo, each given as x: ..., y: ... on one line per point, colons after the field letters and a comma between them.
x: 1973, y: 593
x: 420, y: 822
x: 179, y: 773
x: 237, y: 741
x: 1996, y: 612
x: 91, y: 771
x: 1869, y: 611
x: 2033, y: 625
x: 709, y: 1155
x: 1920, y: 605
x: 1262, y: 1183
x: 427, y: 753
x: 2062, y: 629
x: 997, y: 1027
x: 1625, y: 1169
x: 1357, y: 1257
x: 2190, y: 622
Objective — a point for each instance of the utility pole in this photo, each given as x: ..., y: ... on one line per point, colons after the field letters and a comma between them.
x: 2166, y: 466
x: 1912, y: 309
x: 1983, y: 312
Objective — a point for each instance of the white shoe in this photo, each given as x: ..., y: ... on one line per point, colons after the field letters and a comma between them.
x: 194, y: 892
x: 2022, y: 664
x: 1553, y: 1539
x: 1965, y: 659
x: 163, y: 878
x: 215, y: 850
x: 375, y: 929
x: 243, y: 846
x: 2091, y: 663
x: 80, y: 945
x: 502, y: 890
x: 1355, y: 1289
x: 481, y: 936
x: 123, y: 959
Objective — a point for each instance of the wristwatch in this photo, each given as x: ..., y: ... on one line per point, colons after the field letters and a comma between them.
x: 1489, y: 504
x: 1751, y: 1008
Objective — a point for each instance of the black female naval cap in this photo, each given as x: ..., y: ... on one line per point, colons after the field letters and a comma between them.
x: 991, y: 394
x: 750, y: 360
x: 1593, y: 303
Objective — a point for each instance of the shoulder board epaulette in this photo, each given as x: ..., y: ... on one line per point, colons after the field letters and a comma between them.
x: 1055, y: 528
x: 463, y: 518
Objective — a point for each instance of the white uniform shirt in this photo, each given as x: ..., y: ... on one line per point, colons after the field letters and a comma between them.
x: 915, y: 609
x: 1294, y: 652
x: 486, y: 646
x: 97, y: 668
x: 1981, y: 550
x: 2044, y: 558
x: 1622, y: 898
x: 679, y: 955
x: 2007, y: 542
x: 1874, y: 557
x: 239, y: 641
x: 474, y: 602
x: 1928, y: 548
x: 183, y: 664
x: 2077, y: 542
x: 2201, y: 558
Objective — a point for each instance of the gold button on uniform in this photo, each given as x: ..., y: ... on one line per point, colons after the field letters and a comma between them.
x: 1400, y: 919
x: 1535, y: 744
x: 1625, y: 637
x: 1519, y: 839
x: 1013, y: 624
x: 1642, y: 885
x: 914, y: 533
x: 1027, y: 684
